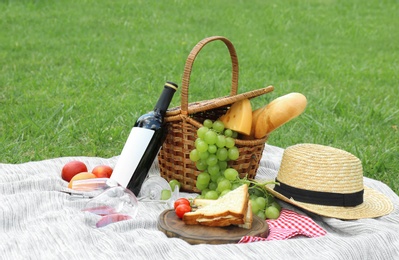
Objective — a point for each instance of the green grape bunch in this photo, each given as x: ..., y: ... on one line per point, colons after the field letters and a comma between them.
x: 214, y: 148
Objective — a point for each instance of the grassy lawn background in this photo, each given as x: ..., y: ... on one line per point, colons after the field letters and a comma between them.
x: 74, y: 75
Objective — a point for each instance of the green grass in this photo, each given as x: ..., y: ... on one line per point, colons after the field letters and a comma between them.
x: 74, y: 75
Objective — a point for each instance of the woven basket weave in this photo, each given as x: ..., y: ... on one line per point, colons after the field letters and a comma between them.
x: 183, y: 122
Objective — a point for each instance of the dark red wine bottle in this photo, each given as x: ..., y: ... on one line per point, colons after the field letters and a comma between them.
x: 143, y: 144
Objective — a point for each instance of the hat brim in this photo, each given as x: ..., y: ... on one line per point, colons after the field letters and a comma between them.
x: 375, y: 204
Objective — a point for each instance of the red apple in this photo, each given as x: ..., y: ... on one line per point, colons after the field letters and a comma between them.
x: 71, y: 169
x: 102, y: 171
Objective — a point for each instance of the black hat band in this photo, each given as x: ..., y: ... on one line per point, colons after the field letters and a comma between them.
x: 320, y: 197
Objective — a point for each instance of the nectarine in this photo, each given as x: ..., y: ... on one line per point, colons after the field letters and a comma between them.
x: 102, y: 171
x: 72, y: 168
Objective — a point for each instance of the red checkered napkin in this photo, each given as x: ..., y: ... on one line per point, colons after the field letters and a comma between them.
x: 289, y: 224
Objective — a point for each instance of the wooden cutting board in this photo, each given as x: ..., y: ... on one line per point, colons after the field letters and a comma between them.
x: 172, y: 226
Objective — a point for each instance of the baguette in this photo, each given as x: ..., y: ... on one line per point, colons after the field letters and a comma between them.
x: 277, y: 113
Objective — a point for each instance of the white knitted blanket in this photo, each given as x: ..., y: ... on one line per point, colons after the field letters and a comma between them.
x: 37, y: 221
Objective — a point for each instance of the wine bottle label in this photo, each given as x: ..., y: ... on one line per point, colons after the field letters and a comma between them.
x: 132, y: 152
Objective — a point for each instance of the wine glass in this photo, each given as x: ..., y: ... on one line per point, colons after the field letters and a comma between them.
x: 94, y: 184
x: 156, y: 189
x: 112, y: 205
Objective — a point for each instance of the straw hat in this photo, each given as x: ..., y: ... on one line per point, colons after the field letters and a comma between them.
x: 327, y: 181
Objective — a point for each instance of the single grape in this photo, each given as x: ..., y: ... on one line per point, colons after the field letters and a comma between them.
x: 224, y: 185
x: 270, y: 199
x: 213, y: 169
x: 194, y: 155
x: 211, y: 160
x: 255, y: 206
x: 257, y: 191
x: 201, y: 165
x: 221, y: 141
x: 261, y: 202
x: 212, y: 185
x: 261, y: 214
x: 230, y: 174
x: 253, y: 197
x: 233, y: 153
x: 224, y: 192
x: 221, y: 178
x: 276, y: 205
x: 215, y: 177
x: 201, y: 131
x: 222, y: 165
x: 212, y: 148
x: 230, y: 142
x: 197, y: 141
x: 234, y: 134
x: 211, y: 195
x: 201, y: 186
x: 204, y: 191
x: 203, y: 155
x: 235, y: 185
x: 173, y: 183
x: 201, y: 146
x: 222, y: 154
x: 228, y: 132
x: 208, y: 123
x: 210, y: 137
x: 272, y: 212
x: 166, y: 194
x: 218, y: 126
x: 203, y: 178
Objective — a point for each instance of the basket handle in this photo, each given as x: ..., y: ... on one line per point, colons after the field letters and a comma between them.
x: 189, y: 65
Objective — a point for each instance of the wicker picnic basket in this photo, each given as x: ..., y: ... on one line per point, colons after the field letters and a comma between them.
x: 183, y: 122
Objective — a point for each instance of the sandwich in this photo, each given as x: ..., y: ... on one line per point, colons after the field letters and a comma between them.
x: 234, y: 208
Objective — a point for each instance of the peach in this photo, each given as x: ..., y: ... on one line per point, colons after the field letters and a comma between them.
x: 72, y: 168
x: 102, y: 171
x: 81, y: 176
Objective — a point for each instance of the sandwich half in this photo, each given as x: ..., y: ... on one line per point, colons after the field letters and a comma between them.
x: 234, y: 208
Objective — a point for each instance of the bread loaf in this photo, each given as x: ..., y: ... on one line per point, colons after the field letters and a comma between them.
x: 277, y: 113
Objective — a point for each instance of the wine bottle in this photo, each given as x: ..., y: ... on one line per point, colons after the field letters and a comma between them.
x: 143, y: 144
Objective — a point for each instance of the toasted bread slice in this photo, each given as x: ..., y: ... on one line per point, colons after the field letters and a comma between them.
x: 227, y: 220
x: 249, y: 217
x: 233, y: 208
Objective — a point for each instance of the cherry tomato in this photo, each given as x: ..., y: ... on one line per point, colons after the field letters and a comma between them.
x: 182, y: 209
x: 181, y: 201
